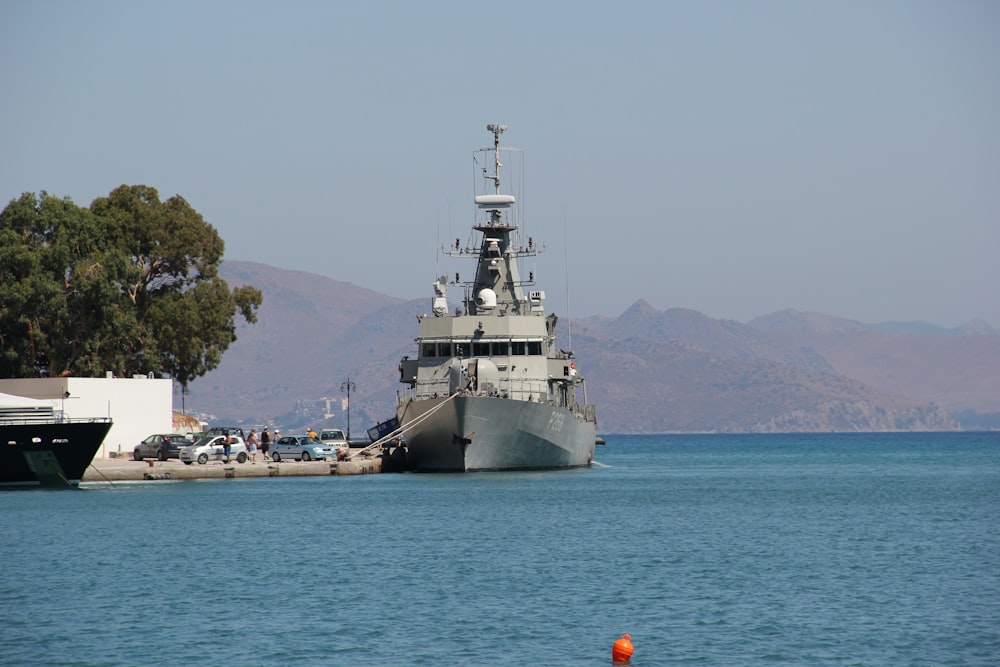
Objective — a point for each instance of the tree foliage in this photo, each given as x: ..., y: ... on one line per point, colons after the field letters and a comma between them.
x: 129, y: 285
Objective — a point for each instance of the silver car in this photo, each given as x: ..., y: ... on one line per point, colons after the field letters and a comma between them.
x: 211, y: 448
x: 300, y: 448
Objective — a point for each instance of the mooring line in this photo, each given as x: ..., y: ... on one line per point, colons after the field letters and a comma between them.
x: 400, y: 430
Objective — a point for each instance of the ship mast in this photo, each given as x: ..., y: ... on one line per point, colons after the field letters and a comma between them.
x: 496, y: 129
x: 498, y: 288
x: 496, y: 202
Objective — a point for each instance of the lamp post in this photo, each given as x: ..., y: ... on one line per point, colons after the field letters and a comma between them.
x: 348, y: 386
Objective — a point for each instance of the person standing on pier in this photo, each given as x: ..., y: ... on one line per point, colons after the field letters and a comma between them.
x: 227, y: 445
x: 265, y: 443
x: 252, y: 445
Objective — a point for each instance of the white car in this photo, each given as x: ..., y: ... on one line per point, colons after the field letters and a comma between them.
x: 334, y: 437
x: 210, y: 448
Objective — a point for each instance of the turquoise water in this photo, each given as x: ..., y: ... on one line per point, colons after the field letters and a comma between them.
x: 708, y: 550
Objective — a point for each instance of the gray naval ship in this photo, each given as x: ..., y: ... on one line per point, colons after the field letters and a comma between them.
x: 489, y: 389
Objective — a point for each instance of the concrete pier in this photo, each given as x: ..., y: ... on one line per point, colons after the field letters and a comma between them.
x: 127, y: 470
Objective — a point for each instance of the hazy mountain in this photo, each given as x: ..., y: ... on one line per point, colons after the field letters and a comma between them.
x: 678, y: 370
x: 970, y: 328
x: 647, y: 370
x: 958, y: 369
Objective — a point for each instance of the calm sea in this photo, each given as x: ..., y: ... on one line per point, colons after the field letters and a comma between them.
x: 710, y: 550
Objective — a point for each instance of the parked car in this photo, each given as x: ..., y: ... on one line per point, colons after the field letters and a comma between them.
x: 333, y: 437
x: 300, y: 448
x: 162, y: 446
x: 227, y: 430
x: 210, y: 448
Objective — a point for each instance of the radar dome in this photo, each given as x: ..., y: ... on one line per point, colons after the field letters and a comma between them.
x: 486, y: 299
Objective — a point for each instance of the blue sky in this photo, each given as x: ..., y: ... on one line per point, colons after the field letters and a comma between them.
x: 733, y: 157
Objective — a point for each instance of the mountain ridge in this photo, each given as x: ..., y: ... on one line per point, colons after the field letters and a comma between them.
x: 647, y: 370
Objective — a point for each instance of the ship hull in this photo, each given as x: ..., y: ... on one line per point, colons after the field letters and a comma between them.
x: 48, y: 453
x: 478, y: 433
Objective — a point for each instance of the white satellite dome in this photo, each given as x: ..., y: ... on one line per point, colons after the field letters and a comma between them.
x: 486, y: 299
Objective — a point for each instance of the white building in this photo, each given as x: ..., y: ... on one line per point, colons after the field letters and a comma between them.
x: 138, y: 406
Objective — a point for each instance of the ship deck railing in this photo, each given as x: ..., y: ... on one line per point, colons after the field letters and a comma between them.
x: 527, y: 390
x: 50, y: 419
x: 522, y: 390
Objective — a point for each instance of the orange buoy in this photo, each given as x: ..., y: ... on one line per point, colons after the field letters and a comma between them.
x: 622, y: 649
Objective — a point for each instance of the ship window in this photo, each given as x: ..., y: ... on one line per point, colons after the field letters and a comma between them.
x: 428, y: 350
x: 517, y: 347
x: 480, y: 349
x: 444, y: 349
x: 534, y: 347
x: 500, y: 349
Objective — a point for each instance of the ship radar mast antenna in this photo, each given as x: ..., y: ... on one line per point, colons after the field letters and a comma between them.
x: 569, y: 321
x: 496, y: 129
